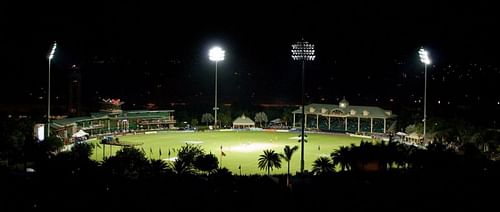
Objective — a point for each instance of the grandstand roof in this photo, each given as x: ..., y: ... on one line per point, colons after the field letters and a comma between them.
x: 149, y: 111
x: 69, y: 121
x: 243, y: 120
x: 104, y: 115
x: 348, y: 111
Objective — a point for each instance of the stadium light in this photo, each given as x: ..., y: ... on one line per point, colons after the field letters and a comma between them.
x: 302, y: 51
x: 216, y: 54
x: 424, y: 58
x: 51, y: 55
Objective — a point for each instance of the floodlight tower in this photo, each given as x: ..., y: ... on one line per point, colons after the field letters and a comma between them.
x: 424, y: 58
x: 51, y: 55
x: 302, y: 51
x: 216, y: 54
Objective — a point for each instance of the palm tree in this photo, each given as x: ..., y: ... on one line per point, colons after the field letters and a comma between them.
x: 287, y: 156
x: 181, y: 167
x: 341, y: 157
x: 269, y: 160
x: 323, y: 166
x: 157, y: 167
x: 396, y: 154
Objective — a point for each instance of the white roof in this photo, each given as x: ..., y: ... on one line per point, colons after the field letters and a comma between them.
x: 80, y: 133
x: 401, y: 134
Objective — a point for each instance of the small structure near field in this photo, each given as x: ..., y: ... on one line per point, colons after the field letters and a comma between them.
x: 277, y: 123
x: 243, y: 122
x: 80, y: 136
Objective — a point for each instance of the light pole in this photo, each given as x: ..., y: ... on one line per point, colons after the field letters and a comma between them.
x: 424, y: 58
x: 51, y: 55
x: 302, y: 51
x: 216, y: 54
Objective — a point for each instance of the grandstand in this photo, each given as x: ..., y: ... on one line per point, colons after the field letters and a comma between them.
x: 113, y: 121
x: 346, y: 118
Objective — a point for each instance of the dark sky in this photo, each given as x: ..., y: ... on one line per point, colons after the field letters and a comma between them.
x: 144, y: 52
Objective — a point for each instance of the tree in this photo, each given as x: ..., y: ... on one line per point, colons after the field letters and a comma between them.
x: 287, y: 156
x: 194, y: 122
x: 71, y: 163
x: 415, y: 128
x: 225, y: 118
x: 261, y: 117
x: 181, y: 167
x: 11, y: 144
x: 222, y: 171
x: 82, y: 151
x: 222, y: 179
x: 323, y: 166
x: 128, y: 162
x: 49, y: 147
x: 341, y: 157
x: 206, y: 163
x: 189, y: 152
x: 287, y: 116
x: 363, y: 154
x: 207, y: 118
x: 16, y: 138
x: 269, y: 160
x: 157, y: 167
x: 393, y: 154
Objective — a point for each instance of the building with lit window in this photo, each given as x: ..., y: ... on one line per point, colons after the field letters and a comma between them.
x: 111, y: 119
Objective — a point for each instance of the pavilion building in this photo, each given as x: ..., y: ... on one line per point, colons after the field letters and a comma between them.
x: 111, y: 119
x: 243, y: 122
x: 345, y: 118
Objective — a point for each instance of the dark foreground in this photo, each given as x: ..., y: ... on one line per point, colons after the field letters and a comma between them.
x: 387, y: 191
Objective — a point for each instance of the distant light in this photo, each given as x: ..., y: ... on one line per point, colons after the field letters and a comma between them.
x: 216, y: 54
x: 498, y: 103
x: 40, y: 131
x: 424, y: 56
x: 53, y: 51
x: 439, y: 101
x: 303, y: 51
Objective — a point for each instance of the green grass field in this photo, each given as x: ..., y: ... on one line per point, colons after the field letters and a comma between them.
x: 241, y: 148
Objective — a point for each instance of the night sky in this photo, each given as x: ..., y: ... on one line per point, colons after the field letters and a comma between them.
x: 142, y: 52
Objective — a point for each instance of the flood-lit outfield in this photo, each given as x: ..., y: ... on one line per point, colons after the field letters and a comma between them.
x: 241, y: 148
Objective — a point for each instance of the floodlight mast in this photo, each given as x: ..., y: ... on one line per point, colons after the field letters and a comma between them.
x: 302, y: 51
x: 216, y: 54
x: 424, y: 58
x: 51, y: 55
